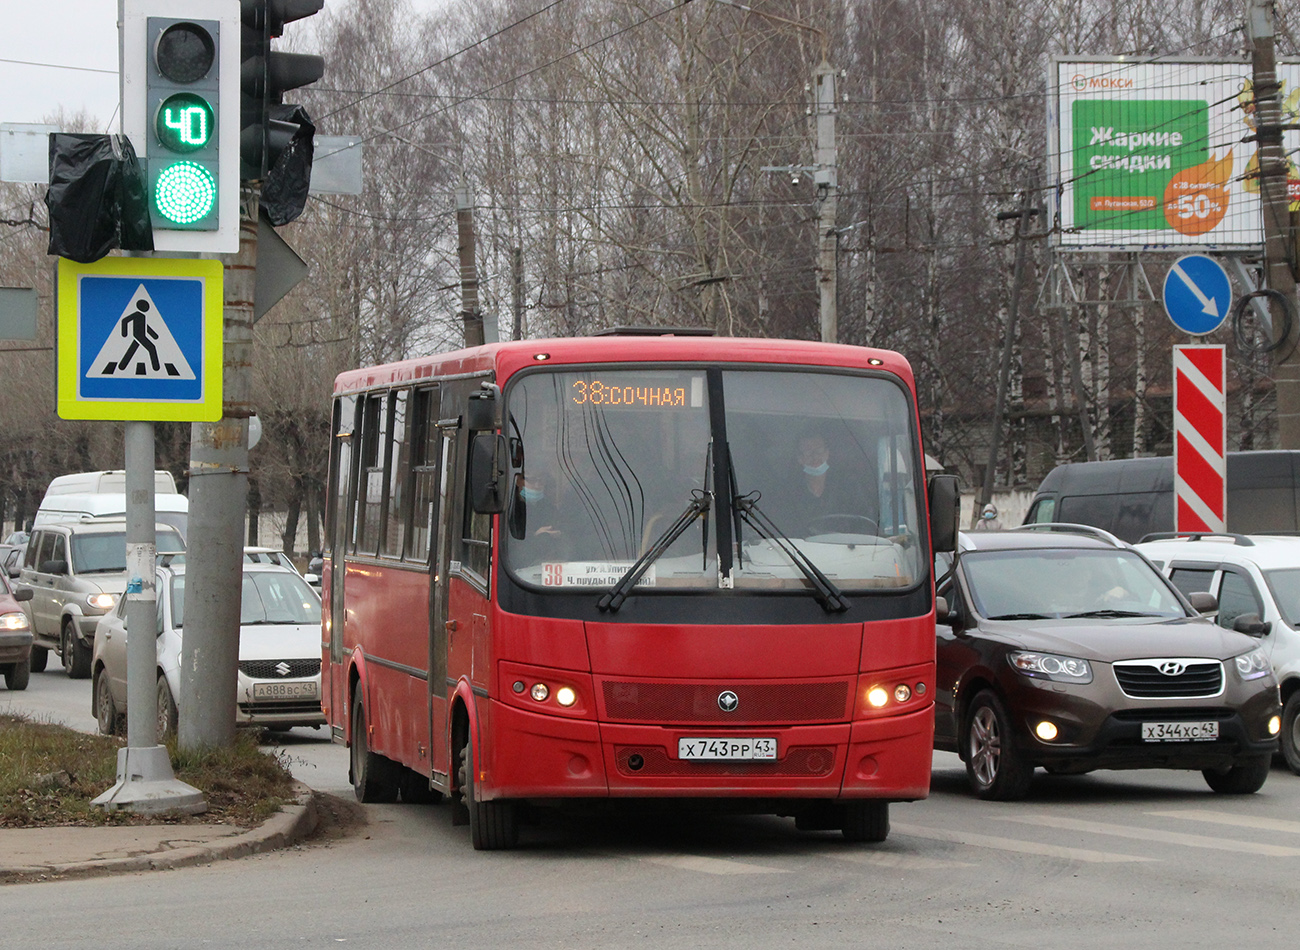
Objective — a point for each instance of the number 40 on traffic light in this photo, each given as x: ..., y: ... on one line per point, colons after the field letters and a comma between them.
x: 180, y: 109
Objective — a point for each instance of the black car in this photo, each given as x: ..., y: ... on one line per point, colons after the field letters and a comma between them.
x: 1061, y: 647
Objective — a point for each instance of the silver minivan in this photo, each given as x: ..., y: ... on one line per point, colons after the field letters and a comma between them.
x: 76, y: 573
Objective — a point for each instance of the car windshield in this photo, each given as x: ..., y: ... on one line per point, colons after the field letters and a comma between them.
x: 1052, y: 583
x: 105, y: 553
x: 1285, y: 585
x: 267, y: 597
x: 603, y: 463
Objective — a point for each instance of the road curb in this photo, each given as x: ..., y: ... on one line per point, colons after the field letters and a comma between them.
x: 290, y: 825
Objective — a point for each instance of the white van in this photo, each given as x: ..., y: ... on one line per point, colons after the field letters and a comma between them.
x: 93, y: 496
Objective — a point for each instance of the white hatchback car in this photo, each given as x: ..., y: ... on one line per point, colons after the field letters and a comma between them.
x: 279, y: 651
x: 1256, y: 581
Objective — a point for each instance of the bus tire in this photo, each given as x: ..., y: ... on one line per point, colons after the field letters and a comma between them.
x: 866, y: 820
x: 374, y: 777
x: 493, y: 826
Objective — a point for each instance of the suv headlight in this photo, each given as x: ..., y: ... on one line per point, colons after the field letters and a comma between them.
x: 1253, y: 665
x: 1059, y: 669
x: 101, y: 601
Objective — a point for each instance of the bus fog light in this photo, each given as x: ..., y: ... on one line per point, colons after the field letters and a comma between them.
x: 518, y: 686
x: 902, y: 693
x: 540, y: 692
x: 920, y: 689
x: 877, y: 696
x: 1274, y: 725
x: 1045, y: 730
x: 565, y: 696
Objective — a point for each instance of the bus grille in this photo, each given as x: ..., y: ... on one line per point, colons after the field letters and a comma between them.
x: 698, y: 702
x: 806, y: 760
x: 280, y: 669
x: 1169, y: 679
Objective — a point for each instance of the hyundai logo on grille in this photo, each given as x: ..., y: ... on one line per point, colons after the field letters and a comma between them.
x: 282, y: 668
x: 1172, y: 668
x: 728, y: 701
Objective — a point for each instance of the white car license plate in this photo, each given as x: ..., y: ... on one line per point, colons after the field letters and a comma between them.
x: 731, y: 748
x: 1179, y: 731
x: 308, y: 690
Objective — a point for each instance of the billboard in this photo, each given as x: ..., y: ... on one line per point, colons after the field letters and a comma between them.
x: 1150, y: 154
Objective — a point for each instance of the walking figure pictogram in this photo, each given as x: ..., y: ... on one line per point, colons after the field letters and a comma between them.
x: 133, y: 325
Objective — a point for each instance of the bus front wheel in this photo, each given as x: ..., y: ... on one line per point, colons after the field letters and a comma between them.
x: 492, y: 825
x: 866, y: 820
x: 373, y: 775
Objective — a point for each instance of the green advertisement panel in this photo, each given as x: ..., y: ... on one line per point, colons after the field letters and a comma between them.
x: 1130, y: 158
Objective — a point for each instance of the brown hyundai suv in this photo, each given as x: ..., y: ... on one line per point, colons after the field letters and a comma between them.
x: 1062, y: 647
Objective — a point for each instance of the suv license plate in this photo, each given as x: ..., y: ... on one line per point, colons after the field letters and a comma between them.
x: 732, y: 749
x: 1179, y: 731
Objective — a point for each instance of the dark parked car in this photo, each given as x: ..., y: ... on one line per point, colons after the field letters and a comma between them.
x: 1062, y: 647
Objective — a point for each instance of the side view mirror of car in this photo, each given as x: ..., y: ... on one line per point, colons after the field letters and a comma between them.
x: 1203, y: 602
x: 1252, y: 625
x: 54, y: 567
x: 941, y: 610
x: 23, y: 593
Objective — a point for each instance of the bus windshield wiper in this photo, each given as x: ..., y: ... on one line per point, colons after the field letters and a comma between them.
x: 700, y: 503
x: 828, y: 595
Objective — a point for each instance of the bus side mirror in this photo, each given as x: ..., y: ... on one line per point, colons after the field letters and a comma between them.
x: 487, y: 493
x: 945, y: 512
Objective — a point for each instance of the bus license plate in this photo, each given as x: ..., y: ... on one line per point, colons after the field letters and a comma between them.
x: 1180, y: 731
x: 307, y: 690
x: 729, y: 749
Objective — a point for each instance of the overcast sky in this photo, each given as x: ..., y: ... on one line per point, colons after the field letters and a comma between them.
x: 67, y: 33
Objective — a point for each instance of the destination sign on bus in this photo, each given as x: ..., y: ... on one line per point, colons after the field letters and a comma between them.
x: 645, y: 392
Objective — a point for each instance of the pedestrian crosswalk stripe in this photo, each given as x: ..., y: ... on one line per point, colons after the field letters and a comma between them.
x: 1154, y: 834
x: 1015, y: 844
x: 899, y: 860
x: 1235, y: 820
x: 691, y: 862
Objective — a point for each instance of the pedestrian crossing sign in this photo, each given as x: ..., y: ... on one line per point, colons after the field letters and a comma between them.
x: 139, y: 339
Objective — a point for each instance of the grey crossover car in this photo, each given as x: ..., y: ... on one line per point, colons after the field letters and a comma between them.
x: 1061, y: 647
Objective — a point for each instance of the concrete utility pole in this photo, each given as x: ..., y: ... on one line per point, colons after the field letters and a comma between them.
x: 825, y: 177
x: 1279, y: 266
x: 218, y: 492
x: 469, y: 310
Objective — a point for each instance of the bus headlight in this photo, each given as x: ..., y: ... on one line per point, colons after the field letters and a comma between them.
x: 565, y: 696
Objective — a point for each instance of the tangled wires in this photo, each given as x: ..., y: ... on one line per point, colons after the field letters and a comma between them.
x: 1246, y: 341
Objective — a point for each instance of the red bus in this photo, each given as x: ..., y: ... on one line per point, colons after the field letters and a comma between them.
x: 632, y: 566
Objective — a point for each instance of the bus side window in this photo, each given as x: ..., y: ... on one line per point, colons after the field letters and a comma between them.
x: 476, y: 538
x: 425, y: 440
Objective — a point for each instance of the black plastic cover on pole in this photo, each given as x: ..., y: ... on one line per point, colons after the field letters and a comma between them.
x: 98, y: 197
x: 284, y: 191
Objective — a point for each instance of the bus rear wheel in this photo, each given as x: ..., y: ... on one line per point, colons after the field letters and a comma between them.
x: 493, y: 826
x: 373, y: 776
x: 866, y: 820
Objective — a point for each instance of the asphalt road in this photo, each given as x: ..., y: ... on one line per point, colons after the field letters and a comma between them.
x: 1136, y: 859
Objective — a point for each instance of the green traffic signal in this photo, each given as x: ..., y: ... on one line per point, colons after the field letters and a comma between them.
x: 185, y: 192
x: 185, y: 122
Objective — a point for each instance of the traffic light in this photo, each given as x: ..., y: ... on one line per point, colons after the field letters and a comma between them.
x: 180, y: 109
x: 269, y: 131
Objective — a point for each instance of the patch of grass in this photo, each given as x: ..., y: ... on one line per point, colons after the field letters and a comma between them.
x: 49, y: 775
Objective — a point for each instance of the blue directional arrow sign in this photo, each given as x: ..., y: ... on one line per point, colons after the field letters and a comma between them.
x: 1197, y: 294
x: 140, y: 339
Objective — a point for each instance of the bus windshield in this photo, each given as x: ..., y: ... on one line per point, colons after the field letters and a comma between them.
x: 800, y: 465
